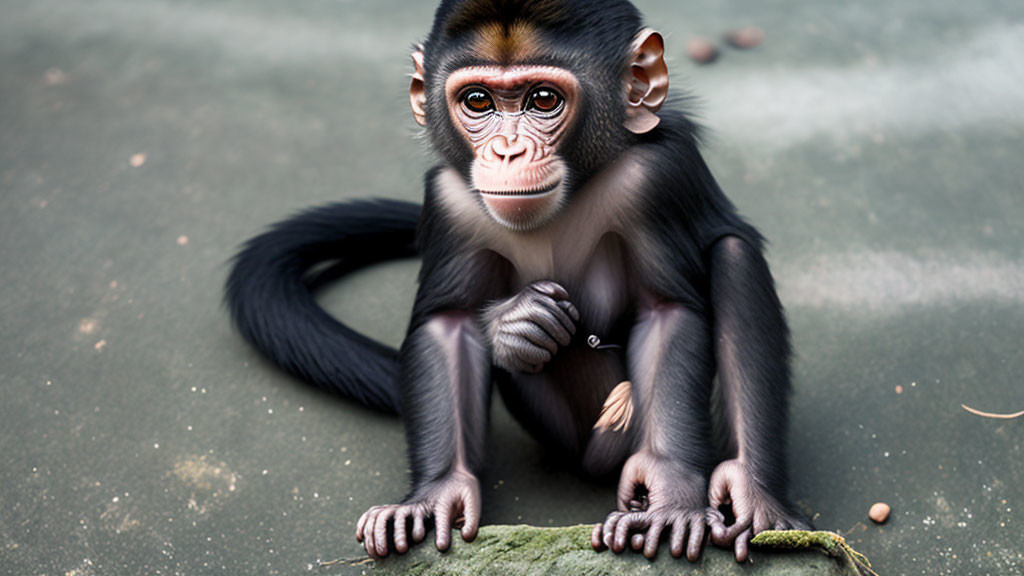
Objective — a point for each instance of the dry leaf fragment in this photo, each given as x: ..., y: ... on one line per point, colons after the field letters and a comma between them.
x: 992, y: 415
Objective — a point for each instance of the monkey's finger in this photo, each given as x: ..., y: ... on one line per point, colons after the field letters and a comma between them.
x: 625, y: 494
x: 361, y: 524
x: 761, y: 522
x: 401, y: 530
x: 547, y: 317
x: 636, y: 542
x: 718, y: 492
x: 727, y: 536
x: 443, y: 526
x: 552, y: 289
x: 419, y: 530
x: 380, y: 533
x: 631, y: 521
x: 653, y: 539
x: 741, y: 546
x: 531, y: 332
x: 368, y: 532
x: 678, y: 537
x: 570, y: 309
x: 723, y: 535
x: 471, y: 512
x: 562, y: 316
x: 524, y: 352
x: 609, y: 529
x: 716, y: 523
x: 697, y: 530
x: 546, y: 314
x: 595, y: 538
x: 712, y: 515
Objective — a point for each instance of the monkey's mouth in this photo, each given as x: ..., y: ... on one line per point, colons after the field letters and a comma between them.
x: 526, y: 192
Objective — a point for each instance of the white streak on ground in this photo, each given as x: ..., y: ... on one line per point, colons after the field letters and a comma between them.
x: 888, y: 282
x: 975, y: 83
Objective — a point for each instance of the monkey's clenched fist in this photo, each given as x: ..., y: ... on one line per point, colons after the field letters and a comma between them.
x: 526, y: 330
x: 454, y: 500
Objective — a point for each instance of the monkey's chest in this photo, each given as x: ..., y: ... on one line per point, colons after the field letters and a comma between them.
x: 593, y: 268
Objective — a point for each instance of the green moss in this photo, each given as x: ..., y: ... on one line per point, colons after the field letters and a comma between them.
x: 527, y: 550
x: 797, y: 539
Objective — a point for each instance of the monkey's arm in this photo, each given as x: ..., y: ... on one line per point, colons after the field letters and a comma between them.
x: 445, y: 391
x: 445, y: 396
x: 671, y: 371
x: 526, y: 330
x: 752, y: 352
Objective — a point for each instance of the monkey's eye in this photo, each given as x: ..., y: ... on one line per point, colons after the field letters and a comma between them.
x: 478, y: 101
x: 544, y: 100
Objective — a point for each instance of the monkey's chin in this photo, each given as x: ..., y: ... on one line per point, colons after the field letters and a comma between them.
x: 523, y: 210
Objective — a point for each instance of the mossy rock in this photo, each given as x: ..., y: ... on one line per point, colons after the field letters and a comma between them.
x: 527, y: 550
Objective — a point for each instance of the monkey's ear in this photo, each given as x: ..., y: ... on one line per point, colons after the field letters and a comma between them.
x: 417, y: 91
x: 646, y: 82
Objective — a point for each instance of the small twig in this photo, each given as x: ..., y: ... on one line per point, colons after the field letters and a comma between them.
x: 991, y: 415
x: 356, y: 561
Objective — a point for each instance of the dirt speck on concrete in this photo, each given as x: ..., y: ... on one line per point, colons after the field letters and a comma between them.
x: 206, y: 484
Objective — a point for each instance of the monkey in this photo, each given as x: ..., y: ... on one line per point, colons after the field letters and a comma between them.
x: 579, y: 257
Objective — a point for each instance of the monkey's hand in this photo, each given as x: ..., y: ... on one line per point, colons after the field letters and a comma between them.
x: 674, y: 498
x: 753, y: 506
x: 527, y: 329
x: 453, y: 500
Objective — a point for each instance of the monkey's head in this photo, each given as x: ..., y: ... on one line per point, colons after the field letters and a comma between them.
x: 528, y: 99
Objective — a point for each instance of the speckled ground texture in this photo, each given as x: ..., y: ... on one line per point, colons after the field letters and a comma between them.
x: 877, y: 144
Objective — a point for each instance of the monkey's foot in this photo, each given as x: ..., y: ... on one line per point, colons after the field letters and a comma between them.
x: 655, y: 494
x: 454, y: 500
x: 754, y: 507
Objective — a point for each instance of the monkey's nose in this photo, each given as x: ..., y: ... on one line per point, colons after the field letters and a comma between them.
x: 508, y: 149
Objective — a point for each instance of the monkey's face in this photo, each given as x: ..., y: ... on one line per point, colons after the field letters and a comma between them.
x: 519, y: 131
x: 514, y: 119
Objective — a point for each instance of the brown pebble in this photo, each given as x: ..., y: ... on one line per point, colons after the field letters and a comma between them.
x: 701, y: 50
x: 745, y: 38
x: 879, y: 513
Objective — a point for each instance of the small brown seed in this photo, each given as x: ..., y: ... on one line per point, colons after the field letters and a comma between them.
x: 879, y: 513
x: 745, y: 38
x: 701, y: 50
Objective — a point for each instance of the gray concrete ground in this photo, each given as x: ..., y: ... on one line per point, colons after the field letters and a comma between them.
x: 878, y: 144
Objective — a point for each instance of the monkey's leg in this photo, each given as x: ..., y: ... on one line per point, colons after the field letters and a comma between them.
x: 663, y: 484
x: 752, y: 351
x: 445, y: 398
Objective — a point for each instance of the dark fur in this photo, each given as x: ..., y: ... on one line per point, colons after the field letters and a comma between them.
x: 270, y: 300
x: 699, y: 289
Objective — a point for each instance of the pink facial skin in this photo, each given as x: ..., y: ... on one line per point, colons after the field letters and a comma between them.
x: 520, y: 116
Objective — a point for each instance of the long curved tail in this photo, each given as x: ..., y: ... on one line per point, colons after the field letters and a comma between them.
x: 270, y: 295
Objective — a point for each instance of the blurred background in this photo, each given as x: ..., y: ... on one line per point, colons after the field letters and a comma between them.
x: 878, y: 145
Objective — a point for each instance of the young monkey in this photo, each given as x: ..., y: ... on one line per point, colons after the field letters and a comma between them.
x: 576, y: 251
